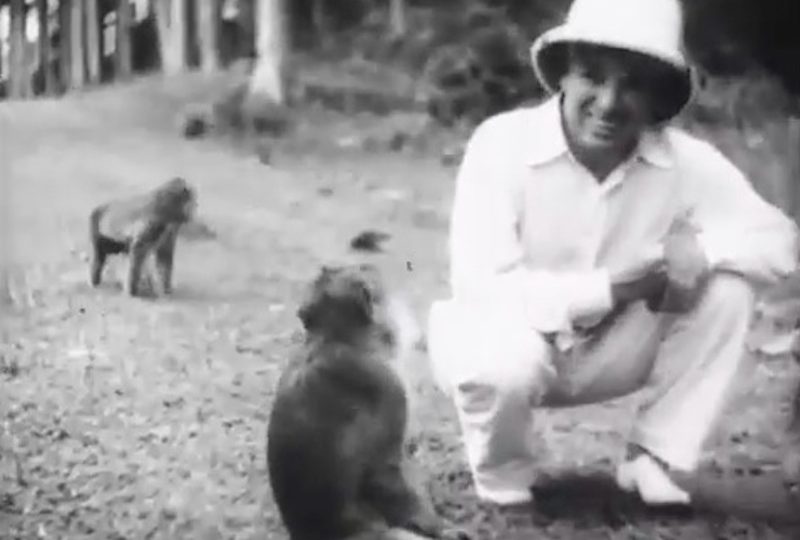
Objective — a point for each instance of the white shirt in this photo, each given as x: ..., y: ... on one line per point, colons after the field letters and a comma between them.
x: 531, y: 227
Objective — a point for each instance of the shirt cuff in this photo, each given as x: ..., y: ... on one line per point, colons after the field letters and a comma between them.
x: 590, y: 295
x: 711, y: 249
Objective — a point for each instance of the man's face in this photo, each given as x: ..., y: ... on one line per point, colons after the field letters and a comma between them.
x: 606, y: 99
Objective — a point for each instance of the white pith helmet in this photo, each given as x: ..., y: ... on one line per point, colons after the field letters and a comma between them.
x: 653, y: 28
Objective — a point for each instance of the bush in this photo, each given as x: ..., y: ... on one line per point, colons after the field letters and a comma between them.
x: 470, y: 58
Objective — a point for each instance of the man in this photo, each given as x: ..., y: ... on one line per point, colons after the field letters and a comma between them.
x: 595, y: 251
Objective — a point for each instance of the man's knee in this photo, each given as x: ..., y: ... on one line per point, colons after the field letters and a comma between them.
x: 478, y: 358
x: 501, y: 386
x: 728, y: 295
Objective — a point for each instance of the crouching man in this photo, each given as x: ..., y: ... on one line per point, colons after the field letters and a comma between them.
x: 595, y: 251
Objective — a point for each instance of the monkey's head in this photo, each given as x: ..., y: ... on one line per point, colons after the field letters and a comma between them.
x: 344, y: 302
x: 176, y: 200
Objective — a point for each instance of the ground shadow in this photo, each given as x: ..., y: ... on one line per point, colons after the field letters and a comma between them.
x: 594, y: 496
x: 184, y: 293
x: 191, y: 293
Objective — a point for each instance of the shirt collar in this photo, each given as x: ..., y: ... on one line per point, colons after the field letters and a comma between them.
x: 550, y: 143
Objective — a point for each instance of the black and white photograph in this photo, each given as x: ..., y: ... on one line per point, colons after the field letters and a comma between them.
x: 399, y: 269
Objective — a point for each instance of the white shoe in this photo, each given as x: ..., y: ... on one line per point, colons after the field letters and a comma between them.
x: 655, y: 487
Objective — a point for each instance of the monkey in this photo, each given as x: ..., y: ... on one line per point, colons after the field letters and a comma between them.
x: 139, y: 226
x: 336, y: 430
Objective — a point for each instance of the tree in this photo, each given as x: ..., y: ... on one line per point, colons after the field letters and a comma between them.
x: 320, y: 23
x: 64, y: 40
x: 171, y: 21
x: 269, y: 78
x: 208, y: 26
x: 247, y: 23
x: 122, y: 55
x: 45, y: 53
x: 92, y: 22
x: 18, y: 65
x: 397, y: 18
x: 77, y: 65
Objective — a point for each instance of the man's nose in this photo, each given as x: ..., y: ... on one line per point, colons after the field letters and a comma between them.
x: 609, y: 95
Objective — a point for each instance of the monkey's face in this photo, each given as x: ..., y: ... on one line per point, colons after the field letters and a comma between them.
x: 344, y: 301
x: 189, y: 206
x: 178, y: 199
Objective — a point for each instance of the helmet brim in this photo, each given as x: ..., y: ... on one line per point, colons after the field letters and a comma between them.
x: 549, y: 57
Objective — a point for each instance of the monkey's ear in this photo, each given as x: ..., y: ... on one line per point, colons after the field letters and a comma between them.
x: 364, y: 303
x: 325, y: 272
x: 308, y: 312
x: 306, y: 315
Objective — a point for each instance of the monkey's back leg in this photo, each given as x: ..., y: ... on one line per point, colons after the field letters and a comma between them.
x: 165, y: 256
x: 320, y: 501
x: 391, y: 492
x: 315, y: 479
x: 387, y: 533
x: 145, y: 237
x: 101, y: 246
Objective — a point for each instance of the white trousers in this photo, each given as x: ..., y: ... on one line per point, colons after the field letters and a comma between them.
x: 496, y: 370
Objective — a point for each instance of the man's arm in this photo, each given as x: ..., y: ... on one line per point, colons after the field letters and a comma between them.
x: 738, y: 230
x: 486, y: 255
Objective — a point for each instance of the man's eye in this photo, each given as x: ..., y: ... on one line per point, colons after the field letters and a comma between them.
x: 592, y: 75
x: 637, y: 81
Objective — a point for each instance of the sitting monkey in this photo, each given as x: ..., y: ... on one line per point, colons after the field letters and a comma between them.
x: 139, y: 226
x: 337, y: 427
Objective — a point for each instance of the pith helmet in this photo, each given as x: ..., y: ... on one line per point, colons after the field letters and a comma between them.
x: 653, y: 28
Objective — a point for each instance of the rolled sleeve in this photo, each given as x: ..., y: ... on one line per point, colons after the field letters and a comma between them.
x: 591, y: 294
x: 738, y: 230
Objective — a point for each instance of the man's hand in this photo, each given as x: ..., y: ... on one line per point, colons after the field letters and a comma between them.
x: 687, y: 269
x: 646, y: 279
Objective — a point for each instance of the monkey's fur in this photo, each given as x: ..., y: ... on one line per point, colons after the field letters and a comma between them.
x: 139, y: 226
x: 337, y: 427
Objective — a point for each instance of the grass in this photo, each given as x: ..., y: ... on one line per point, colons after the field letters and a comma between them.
x: 146, y: 419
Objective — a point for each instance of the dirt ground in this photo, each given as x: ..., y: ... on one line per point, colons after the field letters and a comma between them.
x: 143, y: 419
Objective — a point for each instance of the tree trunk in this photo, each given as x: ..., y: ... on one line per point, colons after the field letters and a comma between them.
x: 18, y: 73
x: 269, y: 78
x: 6, y: 205
x: 64, y: 40
x: 171, y: 21
x: 92, y: 22
x: 397, y: 18
x: 247, y: 43
x: 123, y: 53
x: 208, y: 19
x: 178, y: 24
x: 794, y: 166
x: 319, y: 22
x: 44, y: 47
x: 77, y: 64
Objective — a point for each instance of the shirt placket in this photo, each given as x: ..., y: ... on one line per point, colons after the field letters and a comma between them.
x: 595, y: 210
x: 593, y: 200
x: 606, y: 191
